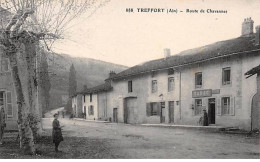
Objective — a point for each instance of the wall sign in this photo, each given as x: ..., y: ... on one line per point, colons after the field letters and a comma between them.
x: 202, y: 93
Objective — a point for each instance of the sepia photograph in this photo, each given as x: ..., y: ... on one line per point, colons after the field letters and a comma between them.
x: 129, y: 79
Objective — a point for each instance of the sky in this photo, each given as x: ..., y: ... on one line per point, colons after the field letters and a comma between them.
x: 129, y: 38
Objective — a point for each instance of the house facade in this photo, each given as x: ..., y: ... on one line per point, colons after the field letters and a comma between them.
x: 7, y: 91
x: 94, y: 102
x: 176, y: 89
x: 77, y: 105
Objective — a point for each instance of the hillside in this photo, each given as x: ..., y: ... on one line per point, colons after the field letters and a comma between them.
x: 89, y: 72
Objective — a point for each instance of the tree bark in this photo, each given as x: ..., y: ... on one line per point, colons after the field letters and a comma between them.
x: 25, y: 131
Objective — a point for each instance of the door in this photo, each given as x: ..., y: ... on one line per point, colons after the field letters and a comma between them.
x: 115, y: 115
x: 130, y: 113
x: 255, y: 112
x: 162, y: 116
x: 212, y: 111
x: 171, y: 111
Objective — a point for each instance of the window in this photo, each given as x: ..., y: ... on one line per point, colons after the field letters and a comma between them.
x: 84, y: 110
x: 4, y: 65
x: 91, y: 110
x: 9, y: 104
x: 170, y: 84
x: 225, y: 104
x: 130, y: 86
x: 170, y: 71
x: 90, y: 97
x: 226, y: 76
x: 152, y: 109
x: 84, y: 98
x: 154, y: 86
x: 198, y: 80
x: 198, y: 106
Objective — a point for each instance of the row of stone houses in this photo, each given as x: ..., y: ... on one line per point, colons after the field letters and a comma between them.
x: 176, y: 89
x: 7, y: 91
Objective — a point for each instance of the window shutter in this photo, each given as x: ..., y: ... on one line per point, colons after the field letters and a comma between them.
x: 219, y: 106
x: 158, y: 108
x: 9, y: 104
x: 232, y: 105
x: 88, y: 110
x: 148, y: 109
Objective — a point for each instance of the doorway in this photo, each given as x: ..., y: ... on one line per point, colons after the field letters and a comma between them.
x: 115, y: 115
x: 130, y: 110
x: 171, y: 111
x: 162, y: 115
x: 212, y: 111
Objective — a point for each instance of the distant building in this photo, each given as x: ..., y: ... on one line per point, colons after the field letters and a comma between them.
x: 77, y: 105
x: 94, y: 102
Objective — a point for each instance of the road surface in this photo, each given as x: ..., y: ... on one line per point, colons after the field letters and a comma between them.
x: 128, y: 141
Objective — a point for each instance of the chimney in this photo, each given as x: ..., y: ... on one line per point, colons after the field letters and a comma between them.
x: 257, y: 37
x: 167, y: 53
x: 247, y: 26
x: 112, y: 74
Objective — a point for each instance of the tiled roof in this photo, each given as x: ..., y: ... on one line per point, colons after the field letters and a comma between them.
x: 253, y: 71
x: 100, y: 88
x: 222, y: 48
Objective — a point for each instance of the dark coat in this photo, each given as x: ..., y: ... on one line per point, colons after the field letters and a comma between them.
x: 205, y: 119
x: 56, y: 131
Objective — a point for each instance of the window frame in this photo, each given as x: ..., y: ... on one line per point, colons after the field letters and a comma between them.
x: 196, y: 80
x: 90, y: 97
x: 226, y: 82
x: 154, y: 109
x: 198, y: 108
x: 130, y: 86
x: 171, y: 86
x: 154, y: 87
x: 226, y: 109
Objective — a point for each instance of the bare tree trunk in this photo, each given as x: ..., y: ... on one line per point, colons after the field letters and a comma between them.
x: 25, y: 131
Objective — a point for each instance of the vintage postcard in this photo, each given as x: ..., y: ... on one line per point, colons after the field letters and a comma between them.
x: 129, y: 79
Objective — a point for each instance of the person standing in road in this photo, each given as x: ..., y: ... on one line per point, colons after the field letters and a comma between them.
x: 56, y: 132
x: 2, y: 123
x: 205, y: 118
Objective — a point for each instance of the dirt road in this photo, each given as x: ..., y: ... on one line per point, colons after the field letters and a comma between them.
x: 128, y: 141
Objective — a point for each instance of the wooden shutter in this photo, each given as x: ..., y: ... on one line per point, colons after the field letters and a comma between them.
x: 9, y: 104
x: 232, y: 106
x: 148, y: 109
x: 219, y: 106
x: 158, y: 108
